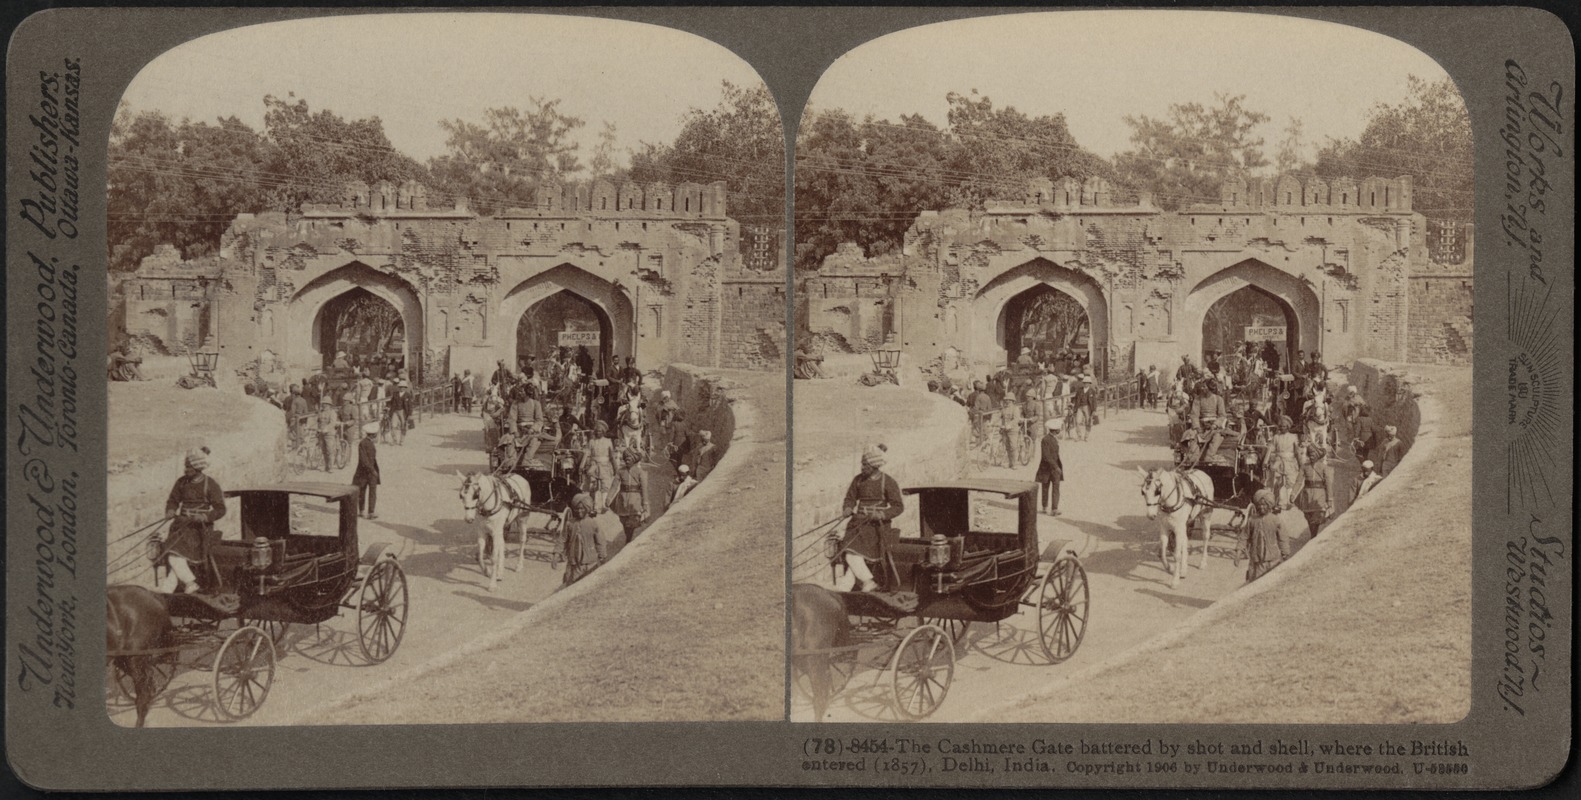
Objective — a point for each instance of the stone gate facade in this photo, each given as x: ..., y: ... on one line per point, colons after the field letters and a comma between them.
x: 1358, y: 273
x: 663, y: 266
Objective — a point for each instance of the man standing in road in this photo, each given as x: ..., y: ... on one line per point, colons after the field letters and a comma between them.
x: 872, y: 500
x: 978, y: 407
x: 1268, y: 537
x: 1051, y: 471
x: 584, y: 548
x: 631, y: 499
x: 328, y: 432
x: 366, y: 478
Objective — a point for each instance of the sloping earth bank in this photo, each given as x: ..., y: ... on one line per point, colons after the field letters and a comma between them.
x: 1370, y: 623
x: 687, y: 624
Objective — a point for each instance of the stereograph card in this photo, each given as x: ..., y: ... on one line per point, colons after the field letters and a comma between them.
x: 789, y: 397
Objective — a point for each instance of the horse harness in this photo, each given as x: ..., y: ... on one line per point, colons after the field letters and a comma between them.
x: 1186, y: 498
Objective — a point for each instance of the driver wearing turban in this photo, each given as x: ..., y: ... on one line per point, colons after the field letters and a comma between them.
x: 195, y: 502
x: 871, y: 502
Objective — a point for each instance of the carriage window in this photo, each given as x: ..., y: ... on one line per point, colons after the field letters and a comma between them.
x: 993, y: 513
x: 312, y: 516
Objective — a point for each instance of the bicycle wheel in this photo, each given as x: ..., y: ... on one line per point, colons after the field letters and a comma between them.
x: 1027, y: 445
x: 342, y: 453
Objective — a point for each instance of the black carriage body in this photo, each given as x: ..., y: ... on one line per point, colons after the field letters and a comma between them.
x: 987, y: 573
x: 307, y: 577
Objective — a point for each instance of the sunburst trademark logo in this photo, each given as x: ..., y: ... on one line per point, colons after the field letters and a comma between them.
x: 1526, y: 389
x: 1533, y: 410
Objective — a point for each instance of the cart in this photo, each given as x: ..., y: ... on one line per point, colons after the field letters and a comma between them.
x: 297, y: 561
x: 948, y: 574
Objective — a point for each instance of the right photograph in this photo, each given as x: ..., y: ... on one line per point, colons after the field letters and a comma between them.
x: 1133, y: 375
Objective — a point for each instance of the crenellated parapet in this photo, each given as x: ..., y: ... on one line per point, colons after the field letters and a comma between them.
x: 599, y: 198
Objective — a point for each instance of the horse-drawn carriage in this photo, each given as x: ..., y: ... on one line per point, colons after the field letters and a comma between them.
x: 296, y: 561
x: 948, y: 573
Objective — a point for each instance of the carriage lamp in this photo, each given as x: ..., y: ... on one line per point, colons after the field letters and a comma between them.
x: 205, y: 359
x: 154, y: 548
x: 939, y: 551
x: 262, y: 555
x: 887, y: 357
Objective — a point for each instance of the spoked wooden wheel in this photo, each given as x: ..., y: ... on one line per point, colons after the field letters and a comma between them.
x: 1062, y: 609
x: 243, y: 673
x: 381, y: 610
x: 923, y: 668
x: 956, y: 629
x: 275, y: 629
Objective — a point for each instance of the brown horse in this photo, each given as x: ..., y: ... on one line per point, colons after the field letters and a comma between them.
x: 136, y: 619
x: 818, y: 625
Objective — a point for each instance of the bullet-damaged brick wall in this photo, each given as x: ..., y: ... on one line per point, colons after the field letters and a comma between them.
x: 1440, y: 329
x: 753, y: 324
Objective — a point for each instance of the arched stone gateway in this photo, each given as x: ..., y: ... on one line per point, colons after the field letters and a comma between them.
x: 994, y: 333
x: 1299, y: 304
x: 307, y: 349
x: 615, y: 311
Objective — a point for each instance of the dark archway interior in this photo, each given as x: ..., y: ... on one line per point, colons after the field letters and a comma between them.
x: 1224, y: 328
x: 1050, y: 322
x: 367, y: 328
x: 538, y: 332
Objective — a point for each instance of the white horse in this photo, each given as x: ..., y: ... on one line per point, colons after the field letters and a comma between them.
x: 488, y: 496
x: 1177, y: 503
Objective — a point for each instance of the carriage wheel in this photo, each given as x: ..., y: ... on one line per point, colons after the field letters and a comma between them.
x: 381, y: 610
x: 274, y: 628
x: 243, y: 673
x: 923, y: 667
x: 956, y: 629
x: 1062, y: 609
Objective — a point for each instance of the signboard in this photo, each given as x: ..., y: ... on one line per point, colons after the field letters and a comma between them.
x: 1265, y: 333
x: 575, y: 338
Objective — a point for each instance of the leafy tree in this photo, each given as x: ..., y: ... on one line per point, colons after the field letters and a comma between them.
x: 180, y: 184
x: 998, y: 149
x: 318, y: 153
x: 865, y: 182
x: 499, y: 163
x: 1184, y: 158
x: 603, y: 163
x: 741, y: 141
x: 1290, y: 157
x: 1427, y: 136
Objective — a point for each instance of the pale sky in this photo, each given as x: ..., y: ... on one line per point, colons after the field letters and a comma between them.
x: 412, y: 70
x: 1099, y: 66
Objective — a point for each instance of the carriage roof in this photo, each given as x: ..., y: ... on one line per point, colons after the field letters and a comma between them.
x: 323, y: 489
x: 1001, y: 486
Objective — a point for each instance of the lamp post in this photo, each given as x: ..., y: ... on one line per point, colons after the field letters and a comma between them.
x: 204, y: 360
x: 886, y: 359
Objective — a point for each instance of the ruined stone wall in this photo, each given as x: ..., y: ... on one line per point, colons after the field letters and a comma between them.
x: 1440, y: 298
x: 753, y: 327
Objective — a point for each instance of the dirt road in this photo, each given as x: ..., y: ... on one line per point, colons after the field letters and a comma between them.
x: 1104, y: 519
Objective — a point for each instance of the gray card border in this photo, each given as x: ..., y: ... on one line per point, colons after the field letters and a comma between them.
x: 81, y: 750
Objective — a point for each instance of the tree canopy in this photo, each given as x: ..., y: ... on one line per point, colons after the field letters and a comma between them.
x: 499, y: 163
x: 739, y: 141
x: 1427, y: 136
x: 1185, y: 157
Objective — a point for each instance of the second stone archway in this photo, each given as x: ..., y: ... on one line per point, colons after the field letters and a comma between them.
x: 991, y: 337
x: 610, y: 300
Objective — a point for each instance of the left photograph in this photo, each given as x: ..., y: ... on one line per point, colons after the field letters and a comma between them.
x: 447, y: 363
